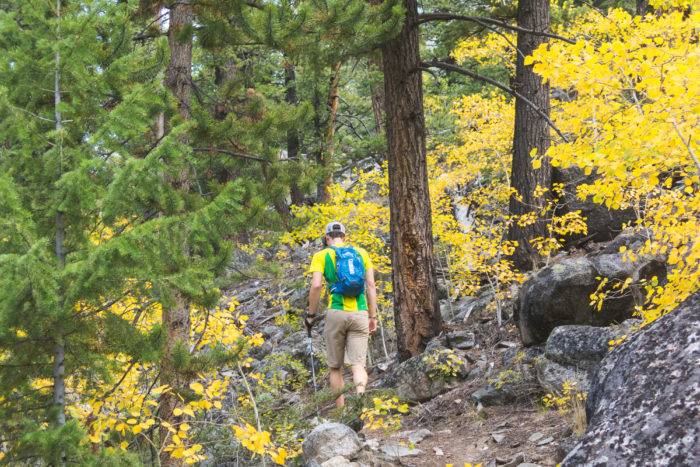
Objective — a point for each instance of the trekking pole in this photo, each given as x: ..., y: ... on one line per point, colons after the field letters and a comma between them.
x: 313, y: 369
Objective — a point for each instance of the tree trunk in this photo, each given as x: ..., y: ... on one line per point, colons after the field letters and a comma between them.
x: 531, y: 131
x: 290, y: 82
x: 59, y: 348
x: 176, y: 315
x: 328, y: 148
x: 377, y: 98
x: 641, y: 7
x: 416, y: 309
x: 59, y: 369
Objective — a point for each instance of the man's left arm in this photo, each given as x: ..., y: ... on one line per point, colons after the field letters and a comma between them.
x: 371, y: 295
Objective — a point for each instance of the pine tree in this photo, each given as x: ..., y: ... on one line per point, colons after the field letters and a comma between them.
x: 416, y: 310
x: 94, y: 208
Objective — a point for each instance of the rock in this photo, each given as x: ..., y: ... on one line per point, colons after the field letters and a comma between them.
x: 643, y: 404
x: 516, y: 460
x: 583, y: 346
x: 415, y: 436
x: 339, y: 461
x: 506, y: 345
x: 470, y: 306
x: 329, y: 440
x: 438, y: 452
x: 545, y: 441
x: 526, y: 355
x: 573, y: 353
x: 498, y: 437
x: 559, y: 294
x: 603, y: 223
x: 489, y: 395
x: 535, y: 437
x: 394, y: 450
x: 551, y: 376
x: 565, y: 446
x: 528, y: 464
x: 462, y: 340
x: 417, y: 380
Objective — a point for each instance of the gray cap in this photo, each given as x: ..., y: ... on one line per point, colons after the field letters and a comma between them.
x: 335, y: 226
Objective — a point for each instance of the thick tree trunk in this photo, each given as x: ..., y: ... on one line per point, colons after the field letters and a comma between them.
x: 531, y: 131
x: 291, y: 97
x: 416, y: 309
x: 176, y: 315
x: 328, y: 148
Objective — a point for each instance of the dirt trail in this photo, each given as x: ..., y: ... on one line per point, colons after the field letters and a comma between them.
x: 515, y: 433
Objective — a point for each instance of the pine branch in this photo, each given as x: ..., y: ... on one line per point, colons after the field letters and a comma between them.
x: 231, y: 153
x: 492, y: 82
x: 427, y: 17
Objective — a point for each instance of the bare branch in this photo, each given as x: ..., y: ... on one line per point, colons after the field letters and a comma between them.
x: 492, y: 82
x: 427, y: 17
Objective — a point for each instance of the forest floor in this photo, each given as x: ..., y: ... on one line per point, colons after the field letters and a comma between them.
x: 523, y: 431
x: 509, y: 434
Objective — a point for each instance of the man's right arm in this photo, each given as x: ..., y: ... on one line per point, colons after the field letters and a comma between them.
x: 315, y: 292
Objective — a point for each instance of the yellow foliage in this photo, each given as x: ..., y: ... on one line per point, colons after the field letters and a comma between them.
x: 385, y: 414
x: 259, y: 442
x: 636, y: 122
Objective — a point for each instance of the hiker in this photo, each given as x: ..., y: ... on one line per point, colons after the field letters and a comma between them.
x: 352, y: 306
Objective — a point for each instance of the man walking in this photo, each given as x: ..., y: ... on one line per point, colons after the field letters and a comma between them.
x: 352, y: 306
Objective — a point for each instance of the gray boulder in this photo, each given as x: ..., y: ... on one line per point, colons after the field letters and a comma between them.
x: 573, y: 353
x: 462, y: 340
x: 328, y: 441
x: 581, y: 346
x: 552, y: 375
x: 559, y: 293
x: 490, y: 395
x: 417, y: 380
x: 643, y: 406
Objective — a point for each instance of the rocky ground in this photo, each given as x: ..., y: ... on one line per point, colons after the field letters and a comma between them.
x: 489, y: 409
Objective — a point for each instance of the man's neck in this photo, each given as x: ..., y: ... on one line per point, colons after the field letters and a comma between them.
x: 337, y: 242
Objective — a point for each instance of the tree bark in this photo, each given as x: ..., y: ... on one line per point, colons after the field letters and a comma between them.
x: 176, y: 315
x: 377, y: 99
x: 59, y: 369
x: 291, y: 97
x: 416, y: 309
x: 531, y: 132
x: 328, y: 147
x: 641, y: 7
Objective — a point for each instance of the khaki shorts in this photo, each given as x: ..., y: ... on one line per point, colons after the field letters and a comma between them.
x: 346, y: 334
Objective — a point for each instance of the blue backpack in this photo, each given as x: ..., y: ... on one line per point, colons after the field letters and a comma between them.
x: 349, y: 271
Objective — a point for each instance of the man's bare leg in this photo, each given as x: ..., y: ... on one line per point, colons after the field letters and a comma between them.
x: 359, y: 377
x: 337, y: 385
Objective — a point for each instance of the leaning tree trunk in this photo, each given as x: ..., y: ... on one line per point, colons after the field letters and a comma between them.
x: 327, y: 151
x: 176, y: 315
x: 291, y: 97
x: 531, y: 132
x: 416, y: 309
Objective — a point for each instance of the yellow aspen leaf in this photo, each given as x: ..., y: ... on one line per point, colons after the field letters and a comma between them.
x: 197, y: 388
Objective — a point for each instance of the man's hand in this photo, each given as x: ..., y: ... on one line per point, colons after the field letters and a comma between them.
x: 372, y: 324
x: 309, y: 321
